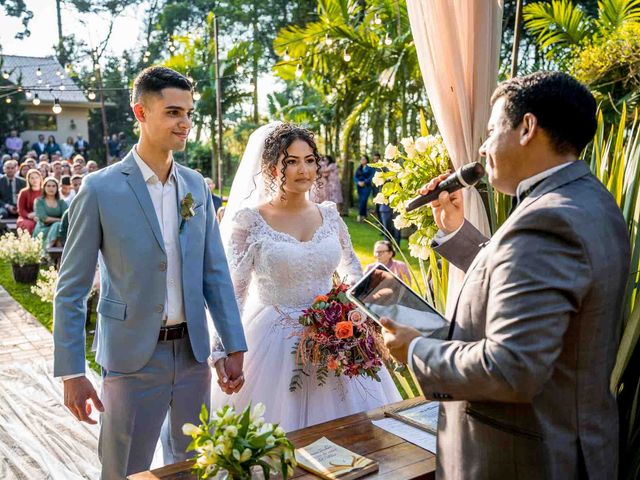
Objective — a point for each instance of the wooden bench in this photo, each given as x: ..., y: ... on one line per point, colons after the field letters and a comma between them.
x: 56, y: 255
x: 8, y: 225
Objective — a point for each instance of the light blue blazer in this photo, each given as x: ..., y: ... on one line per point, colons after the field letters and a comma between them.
x: 113, y: 214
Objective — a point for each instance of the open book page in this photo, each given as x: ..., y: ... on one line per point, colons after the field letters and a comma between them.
x: 331, y: 461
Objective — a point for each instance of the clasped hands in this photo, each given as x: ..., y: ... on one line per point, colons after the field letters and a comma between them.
x: 448, y: 213
x: 230, y: 374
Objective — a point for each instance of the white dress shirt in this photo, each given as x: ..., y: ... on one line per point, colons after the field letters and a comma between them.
x: 165, y: 203
x: 441, y: 237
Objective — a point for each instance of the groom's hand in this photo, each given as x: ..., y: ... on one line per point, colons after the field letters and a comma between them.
x: 230, y: 375
x: 77, y: 393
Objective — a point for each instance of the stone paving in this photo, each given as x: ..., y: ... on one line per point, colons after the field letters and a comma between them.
x: 22, y: 337
x: 39, y: 438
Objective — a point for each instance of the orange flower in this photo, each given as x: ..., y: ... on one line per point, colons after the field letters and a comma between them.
x: 344, y: 330
x: 332, y: 364
x: 321, y: 298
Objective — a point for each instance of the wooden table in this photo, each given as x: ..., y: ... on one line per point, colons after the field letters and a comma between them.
x: 398, y: 459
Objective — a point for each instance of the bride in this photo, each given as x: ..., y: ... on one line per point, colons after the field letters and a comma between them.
x: 283, y: 251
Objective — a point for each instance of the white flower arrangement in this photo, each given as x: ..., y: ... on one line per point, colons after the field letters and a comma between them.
x: 237, y: 442
x: 401, y: 175
x: 20, y: 248
x: 45, y: 288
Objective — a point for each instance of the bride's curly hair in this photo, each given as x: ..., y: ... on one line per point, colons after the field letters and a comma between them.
x: 275, y: 145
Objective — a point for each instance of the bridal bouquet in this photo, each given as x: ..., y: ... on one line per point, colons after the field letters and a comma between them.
x: 337, y: 337
x: 239, y: 444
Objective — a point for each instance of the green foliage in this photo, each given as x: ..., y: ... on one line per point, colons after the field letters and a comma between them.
x: 601, y: 50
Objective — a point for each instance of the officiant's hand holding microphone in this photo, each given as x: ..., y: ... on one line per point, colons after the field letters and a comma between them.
x: 448, y: 213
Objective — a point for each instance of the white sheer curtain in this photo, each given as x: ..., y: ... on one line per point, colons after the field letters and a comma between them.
x: 458, y: 46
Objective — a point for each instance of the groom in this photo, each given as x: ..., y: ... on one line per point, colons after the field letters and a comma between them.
x: 161, y: 262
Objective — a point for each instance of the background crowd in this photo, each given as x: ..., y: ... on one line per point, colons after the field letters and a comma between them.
x: 39, y: 181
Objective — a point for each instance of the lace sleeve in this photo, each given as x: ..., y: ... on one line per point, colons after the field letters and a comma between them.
x: 239, y: 248
x: 349, y: 269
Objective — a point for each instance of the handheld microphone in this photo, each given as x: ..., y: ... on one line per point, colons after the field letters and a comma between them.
x: 466, y: 176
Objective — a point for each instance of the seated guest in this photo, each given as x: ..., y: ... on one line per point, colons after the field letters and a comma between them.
x: 13, y: 143
x: 81, y: 146
x: 49, y: 209
x: 32, y: 162
x: 114, y: 145
x: 5, y: 158
x: 66, y: 191
x: 23, y: 170
x: 10, y: 186
x: 66, y: 168
x: 384, y: 252
x: 39, y: 146
x: 76, y: 182
x: 56, y: 168
x: 52, y: 146
x: 27, y: 197
x: 66, y: 149
x: 44, y: 169
x: 92, y: 166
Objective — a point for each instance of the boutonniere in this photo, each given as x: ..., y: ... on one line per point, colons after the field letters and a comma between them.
x: 186, y: 209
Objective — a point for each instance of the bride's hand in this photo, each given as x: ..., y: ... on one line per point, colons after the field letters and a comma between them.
x: 223, y: 378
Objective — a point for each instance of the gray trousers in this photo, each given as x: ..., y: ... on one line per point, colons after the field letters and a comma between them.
x: 136, y: 405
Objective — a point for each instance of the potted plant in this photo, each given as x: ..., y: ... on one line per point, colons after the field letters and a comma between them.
x: 239, y: 446
x: 23, y: 252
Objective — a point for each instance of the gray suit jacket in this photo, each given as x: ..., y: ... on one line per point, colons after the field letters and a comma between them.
x: 113, y: 214
x: 525, y: 377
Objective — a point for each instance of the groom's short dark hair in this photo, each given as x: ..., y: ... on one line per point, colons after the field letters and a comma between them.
x: 155, y: 79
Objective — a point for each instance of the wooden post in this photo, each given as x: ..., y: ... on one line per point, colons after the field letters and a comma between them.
x: 218, y: 103
x: 517, y: 28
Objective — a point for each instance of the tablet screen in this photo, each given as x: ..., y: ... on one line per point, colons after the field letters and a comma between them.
x: 380, y: 293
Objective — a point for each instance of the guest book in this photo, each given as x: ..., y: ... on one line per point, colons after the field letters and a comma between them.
x: 332, y: 462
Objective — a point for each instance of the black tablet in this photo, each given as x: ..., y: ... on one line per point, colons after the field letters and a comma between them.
x: 380, y: 293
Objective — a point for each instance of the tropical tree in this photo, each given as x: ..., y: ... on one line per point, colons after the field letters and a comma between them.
x: 600, y: 49
x: 358, y: 64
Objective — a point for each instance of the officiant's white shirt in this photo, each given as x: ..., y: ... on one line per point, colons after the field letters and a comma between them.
x: 164, y: 198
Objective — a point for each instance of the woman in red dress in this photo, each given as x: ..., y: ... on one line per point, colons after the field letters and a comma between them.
x: 26, y: 199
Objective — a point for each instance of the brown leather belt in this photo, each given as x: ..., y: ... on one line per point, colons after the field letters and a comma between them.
x: 174, y: 332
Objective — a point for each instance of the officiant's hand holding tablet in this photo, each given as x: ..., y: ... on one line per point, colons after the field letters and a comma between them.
x: 396, y: 307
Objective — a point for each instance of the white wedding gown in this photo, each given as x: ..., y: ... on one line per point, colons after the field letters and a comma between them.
x: 275, y: 277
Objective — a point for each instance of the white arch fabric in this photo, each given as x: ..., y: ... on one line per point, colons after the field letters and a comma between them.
x: 458, y: 46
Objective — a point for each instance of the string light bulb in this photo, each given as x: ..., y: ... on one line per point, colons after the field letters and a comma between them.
x: 93, y: 78
x: 196, y: 96
x: 62, y: 87
x: 299, y: 71
x: 67, y: 68
x: 387, y: 40
x: 377, y: 20
x: 286, y: 57
x: 8, y: 99
x: 5, y: 75
x: 91, y: 95
x: 347, y: 55
x: 36, y: 100
x: 39, y: 81
x: 56, y: 106
x: 328, y: 40
x: 239, y: 67
x: 39, y: 72
x: 172, y: 48
x: 28, y: 94
x: 58, y: 73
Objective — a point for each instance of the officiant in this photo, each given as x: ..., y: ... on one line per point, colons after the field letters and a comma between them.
x: 524, y: 380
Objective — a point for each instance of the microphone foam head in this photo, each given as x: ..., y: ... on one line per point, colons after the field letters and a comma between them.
x: 471, y: 173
